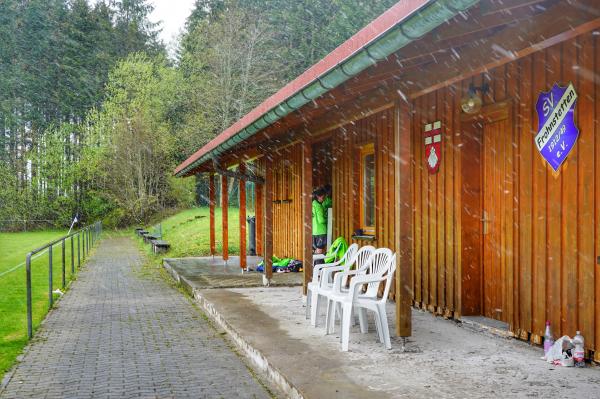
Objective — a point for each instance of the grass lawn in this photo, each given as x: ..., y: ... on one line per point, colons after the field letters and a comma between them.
x: 188, y: 232
x: 13, y: 305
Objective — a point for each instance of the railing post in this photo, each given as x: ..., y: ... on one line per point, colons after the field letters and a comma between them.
x: 50, y: 299
x: 28, y: 285
x: 72, y: 257
x: 78, y: 251
x: 64, y: 274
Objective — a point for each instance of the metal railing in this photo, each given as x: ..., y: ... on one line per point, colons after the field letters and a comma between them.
x: 86, y: 237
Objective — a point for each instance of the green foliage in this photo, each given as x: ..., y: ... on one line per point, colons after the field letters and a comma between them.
x: 130, y: 141
x: 55, y: 58
x: 94, y: 117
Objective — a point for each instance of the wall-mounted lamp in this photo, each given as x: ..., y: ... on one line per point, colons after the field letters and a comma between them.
x: 471, y: 104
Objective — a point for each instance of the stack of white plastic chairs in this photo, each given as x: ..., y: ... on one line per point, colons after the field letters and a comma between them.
x: 365, y: 268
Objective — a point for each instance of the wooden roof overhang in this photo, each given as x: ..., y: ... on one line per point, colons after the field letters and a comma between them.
x: 487, y: 35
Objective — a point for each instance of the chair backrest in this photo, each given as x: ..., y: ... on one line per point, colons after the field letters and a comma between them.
x: 360, y: 261
x: 362, y: 257
x: 389, y: 276
x: 378, y: 265
x: 346, y: 260
x: 350, y: 254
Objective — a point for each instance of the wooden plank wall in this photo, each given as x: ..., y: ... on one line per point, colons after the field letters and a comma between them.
x: 287, y: 205
x: 550, y: 270
x: 377, y: 129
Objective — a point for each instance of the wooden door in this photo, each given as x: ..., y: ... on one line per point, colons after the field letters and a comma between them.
x: 487, y: 201
x: 496, y: 177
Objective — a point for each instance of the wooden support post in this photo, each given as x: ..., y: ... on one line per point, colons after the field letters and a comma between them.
x: 307, y: 249
x: 211, y: 207
x: 268, y: 218
x: 404, y: 217
x: 242, y: 191
x: 224, y: 205
x: 258, y: 213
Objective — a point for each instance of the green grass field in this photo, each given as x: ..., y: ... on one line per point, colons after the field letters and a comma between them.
x: 188, y: 232
x: 13, y: 305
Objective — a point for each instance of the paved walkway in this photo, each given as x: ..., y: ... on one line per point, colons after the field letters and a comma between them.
x: 119, y: 333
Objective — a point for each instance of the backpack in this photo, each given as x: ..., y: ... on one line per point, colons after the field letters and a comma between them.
x: 337, y: 250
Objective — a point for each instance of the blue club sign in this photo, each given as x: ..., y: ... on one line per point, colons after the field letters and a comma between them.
x: 557, y: 133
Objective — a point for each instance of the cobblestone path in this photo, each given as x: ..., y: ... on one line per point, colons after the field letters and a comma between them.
x: 121, y: 334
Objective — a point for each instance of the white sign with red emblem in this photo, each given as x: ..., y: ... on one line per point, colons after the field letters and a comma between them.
x: 433, y: 146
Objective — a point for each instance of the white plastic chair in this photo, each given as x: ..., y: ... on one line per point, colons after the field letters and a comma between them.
x: 325, y: 284
x: 381, y: 268
x: 341, y: 280
x: 312, y: 287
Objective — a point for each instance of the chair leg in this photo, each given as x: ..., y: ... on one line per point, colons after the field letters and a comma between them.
x: 378, y: 327
x: 362, y: 319
x: 314, y: 308
x: 384, y: 326
x: 346, y: 316
x: 329, y: 317
x: 308, y: 303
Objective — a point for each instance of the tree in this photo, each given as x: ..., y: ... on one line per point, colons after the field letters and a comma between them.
x: 128, y: 157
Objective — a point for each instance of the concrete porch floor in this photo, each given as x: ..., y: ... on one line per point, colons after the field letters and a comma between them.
x: 213, y: 272
x: 442, y: 359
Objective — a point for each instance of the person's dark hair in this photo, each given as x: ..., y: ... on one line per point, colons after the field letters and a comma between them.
x: 327, y: 189
x: 319, y: 192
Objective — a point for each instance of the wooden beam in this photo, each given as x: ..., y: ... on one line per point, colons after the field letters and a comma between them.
x: 268, y: 217
x: 224, y: 206
x: 239, y: 174
x: 211, y: 207
x: 307, y: 213
x: 242, y: 190
x: 454, y: 77
x: 404, y: 218
x: 258, y: 213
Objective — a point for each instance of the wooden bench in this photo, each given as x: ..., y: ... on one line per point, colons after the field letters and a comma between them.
x: 159, y: 246
x: 148, y: 238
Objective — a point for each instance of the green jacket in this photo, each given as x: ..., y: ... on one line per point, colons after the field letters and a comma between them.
x: 337, y: 250
x: 319, y: 221
x: 327, y: 202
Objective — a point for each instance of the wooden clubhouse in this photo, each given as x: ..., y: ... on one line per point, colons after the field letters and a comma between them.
x: 462, y: 134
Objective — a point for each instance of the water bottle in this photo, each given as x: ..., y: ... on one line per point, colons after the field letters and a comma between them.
x: 579, y: 351
x: 548, y: 340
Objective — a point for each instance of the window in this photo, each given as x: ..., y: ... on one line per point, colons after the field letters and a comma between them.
x: 367, y: 189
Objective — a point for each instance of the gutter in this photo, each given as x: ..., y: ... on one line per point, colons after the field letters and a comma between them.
x: 429, y: 17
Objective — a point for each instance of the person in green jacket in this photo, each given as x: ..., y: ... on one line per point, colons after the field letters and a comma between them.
x: 327, y: 202
x: 319, y: 222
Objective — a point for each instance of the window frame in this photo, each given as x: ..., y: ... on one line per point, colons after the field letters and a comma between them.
x: 366, y: 150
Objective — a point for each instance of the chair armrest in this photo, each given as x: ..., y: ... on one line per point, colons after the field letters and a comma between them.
x: 318, y: 256
x: 337, y: 282
x: 318, y: 269
x: 327, y: 273
x: 365, y: 279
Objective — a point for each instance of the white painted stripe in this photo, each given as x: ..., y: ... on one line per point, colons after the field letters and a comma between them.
x: 427, y: 140
x: 437, y: 124
x: 428, y: 127
x: 23, y: 263
x: 437, y: 138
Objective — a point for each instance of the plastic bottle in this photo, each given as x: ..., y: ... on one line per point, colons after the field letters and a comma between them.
x: 578, y: 351
x: 548, y: 340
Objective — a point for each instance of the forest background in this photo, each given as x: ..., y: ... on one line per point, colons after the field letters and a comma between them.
x: 95, y: 115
